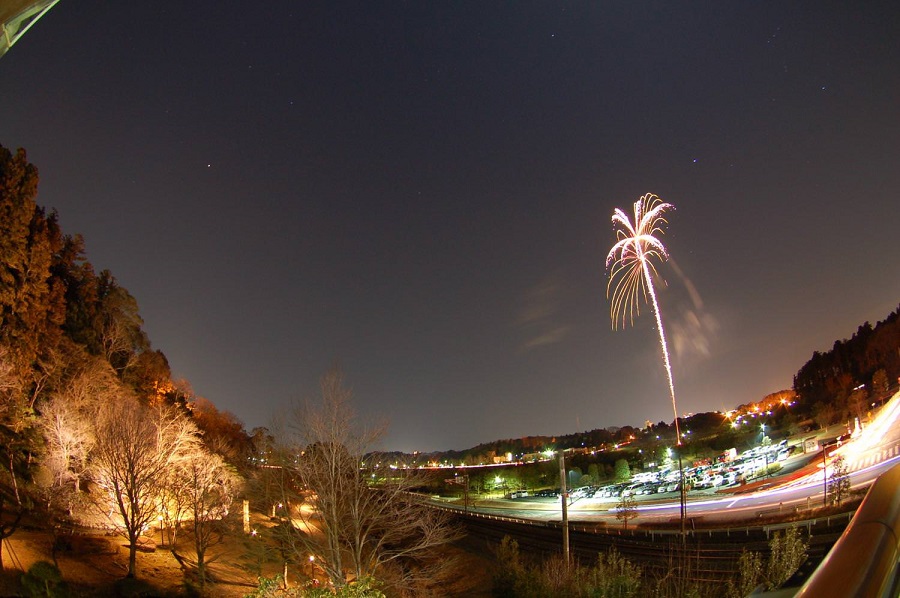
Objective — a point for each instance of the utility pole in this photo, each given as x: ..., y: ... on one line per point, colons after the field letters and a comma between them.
x: 824, y: 474
x: 682, y: 494
x: 564, y: 498
x: 466, y: 494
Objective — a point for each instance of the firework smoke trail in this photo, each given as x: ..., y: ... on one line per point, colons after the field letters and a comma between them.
x: 632, y: 270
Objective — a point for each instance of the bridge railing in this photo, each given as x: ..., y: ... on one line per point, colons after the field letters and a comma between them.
x: 864, y: 561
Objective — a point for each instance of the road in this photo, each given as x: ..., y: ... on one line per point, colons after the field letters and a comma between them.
x: 869, y: 454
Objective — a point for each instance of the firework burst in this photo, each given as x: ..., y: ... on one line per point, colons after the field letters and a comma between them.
x: 631, y: 268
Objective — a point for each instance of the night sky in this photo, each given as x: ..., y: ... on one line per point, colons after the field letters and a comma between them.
x: 422, y: 192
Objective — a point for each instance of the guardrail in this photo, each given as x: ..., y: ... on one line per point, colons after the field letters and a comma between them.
x: 653, y: 533
x: 864, y: 561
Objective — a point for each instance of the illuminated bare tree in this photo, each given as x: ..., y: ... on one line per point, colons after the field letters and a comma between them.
x: 210, y: 485
x: 858, y: 401
x: 359, y: 521
x: 626, y: 508
x: 134, y: 448
x: 68, y: 435
x: 66, y: 422
x: 839, y: 482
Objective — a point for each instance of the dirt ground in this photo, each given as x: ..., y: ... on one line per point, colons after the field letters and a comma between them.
x: 95, y: 563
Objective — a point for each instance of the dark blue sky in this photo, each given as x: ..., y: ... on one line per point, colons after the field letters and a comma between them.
x: 423, y: 192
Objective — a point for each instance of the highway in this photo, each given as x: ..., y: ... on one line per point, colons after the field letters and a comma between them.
x: 873, y: 451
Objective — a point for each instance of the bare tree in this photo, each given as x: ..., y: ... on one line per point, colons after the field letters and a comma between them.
x: 858, y: 401
x: 134, y: 448
x: 360, y: 520
x: 839, y: 482
x: 173, y: 505
x: 626, y: 508
x: 68, y: 436
x: 66, y: 421
x: 210, y: 486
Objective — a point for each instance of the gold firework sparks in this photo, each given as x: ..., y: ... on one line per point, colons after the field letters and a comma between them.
x: 631, y: 268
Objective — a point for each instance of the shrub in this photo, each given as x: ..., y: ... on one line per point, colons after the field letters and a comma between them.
x: 749, y: 575
x: 788, y: 552
x: 611, y: 577
x: 270, y: 587
x: 44, y: 579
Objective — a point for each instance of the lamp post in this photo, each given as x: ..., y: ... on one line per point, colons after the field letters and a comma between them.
x: 564, y: 498
x: 466, y: 494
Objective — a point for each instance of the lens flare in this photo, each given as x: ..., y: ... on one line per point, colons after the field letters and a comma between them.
x: 631, y: 270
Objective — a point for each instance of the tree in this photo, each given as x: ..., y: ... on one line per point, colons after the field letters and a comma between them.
x: 210, y: 486
x: 148, y: 374
x: 361, y: 519
x: 134, y: 448
x: 749, y: 573
x: 223, y: 432
x: 574, y: 477
x: 121, y: 333
x: 786, y: 553
x: 824, y: 414
x: 68, y: 437
x: 32, y: 305
x: 623, y: 471
x: 626, y: 508
x: 858, y: 401
x: 66, y: 420
x: 11, y: 446
x: 839, y: 483
x: 880, y: 383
